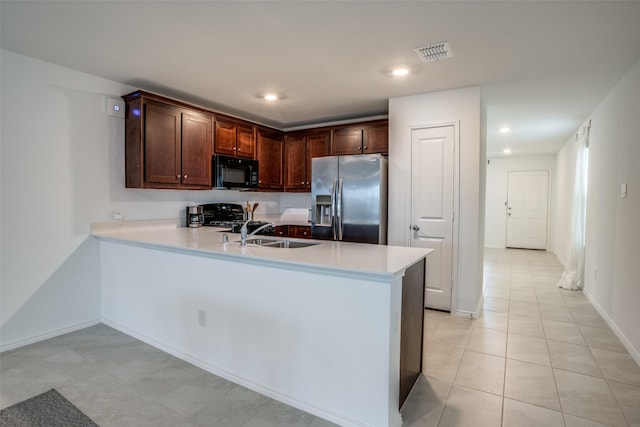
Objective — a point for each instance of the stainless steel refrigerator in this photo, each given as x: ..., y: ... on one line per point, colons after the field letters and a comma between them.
x: 349, y: 198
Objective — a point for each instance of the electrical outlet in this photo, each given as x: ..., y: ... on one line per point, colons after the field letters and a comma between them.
x: 117, y: 216
x: 202, y: 318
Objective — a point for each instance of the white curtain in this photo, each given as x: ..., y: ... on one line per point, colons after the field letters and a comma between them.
x: 573, y: 275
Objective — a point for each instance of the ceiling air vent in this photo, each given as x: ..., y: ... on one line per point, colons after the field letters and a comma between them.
x: 434, y: 52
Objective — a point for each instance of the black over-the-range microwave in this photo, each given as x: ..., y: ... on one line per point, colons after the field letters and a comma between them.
x: 234, y: 172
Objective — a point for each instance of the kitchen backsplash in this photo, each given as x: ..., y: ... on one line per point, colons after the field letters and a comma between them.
x: 170, y: 204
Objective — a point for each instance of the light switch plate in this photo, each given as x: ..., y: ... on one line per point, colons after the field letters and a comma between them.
x: 115, y: 107
x: 623, y: 191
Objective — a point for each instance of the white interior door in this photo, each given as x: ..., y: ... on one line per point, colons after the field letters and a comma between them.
x: 432, y: 183
x: 527, y: 202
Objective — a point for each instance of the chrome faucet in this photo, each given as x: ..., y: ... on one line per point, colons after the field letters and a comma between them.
x: 243, y: 231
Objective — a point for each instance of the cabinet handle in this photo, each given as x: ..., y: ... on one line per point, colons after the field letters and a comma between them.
x: 302, y: 183
x: 178, y: 176
x: 185, y: 176
x: 234, y: 148
x: 308, y: 183
x: 365, y: 147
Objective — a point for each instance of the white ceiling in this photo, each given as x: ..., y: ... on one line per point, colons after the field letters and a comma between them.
x: 543, y: 66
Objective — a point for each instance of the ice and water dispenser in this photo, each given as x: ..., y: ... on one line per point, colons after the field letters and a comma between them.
x: 323, y: 210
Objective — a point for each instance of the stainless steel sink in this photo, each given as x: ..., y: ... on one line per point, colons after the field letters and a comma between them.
x: 261, y: 241
x: 284, y: 244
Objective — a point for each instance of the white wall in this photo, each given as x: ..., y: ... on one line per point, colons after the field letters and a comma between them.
x: 325, y: 342
x: 611, y: 264
x: 62, y: 169
x: 496, y: 197
x: 57, y: 143
x: 461, y: 107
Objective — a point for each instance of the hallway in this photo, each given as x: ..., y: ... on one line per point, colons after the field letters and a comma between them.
x: 537, y: 356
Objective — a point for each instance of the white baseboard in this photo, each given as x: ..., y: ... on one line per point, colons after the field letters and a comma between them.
x: 46, y: 336
x: 463, y: 313
x: 632, y: 350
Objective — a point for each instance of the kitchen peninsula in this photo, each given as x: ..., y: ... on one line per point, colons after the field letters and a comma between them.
x: 334, y: 329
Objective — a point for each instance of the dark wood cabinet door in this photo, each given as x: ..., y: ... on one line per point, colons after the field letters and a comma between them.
x: 411, y: 327
x: 300, y: 231
x: 225, y: 139
x: 295, y: 162
x: 375, y: 139
x: 347, y: 141
x: 162, y: 156
x: 270, y: 149
x: 234, y: 139
x: 318, y: 145
x: 245, y: 142
x: 281, y: 231
x: 196, y: 150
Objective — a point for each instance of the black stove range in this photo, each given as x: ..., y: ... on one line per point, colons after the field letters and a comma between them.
x: 231, y: 215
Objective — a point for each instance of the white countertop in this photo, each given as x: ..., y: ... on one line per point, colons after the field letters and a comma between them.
x: 207, y: 241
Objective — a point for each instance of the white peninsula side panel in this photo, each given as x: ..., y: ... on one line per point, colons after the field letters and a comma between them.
x: 327, y: 343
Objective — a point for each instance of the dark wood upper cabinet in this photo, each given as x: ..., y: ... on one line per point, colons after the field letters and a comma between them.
x: 167, y: 144
x: 295, y: 169
x: 270, y: 155
x: 246, y: 141
x: 346, y: 141
x: 299, y: 149
x: 196, y: 150
x: 234, y: 139
x: 375, y: 139
x: 361, y: 139
x: 318, y: 145
x: 162, y: 144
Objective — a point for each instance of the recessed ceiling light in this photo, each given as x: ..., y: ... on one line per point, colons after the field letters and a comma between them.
x: 507, y: 151
x: 505, y: 129
x: 271, y: 97
x: 400, y: 72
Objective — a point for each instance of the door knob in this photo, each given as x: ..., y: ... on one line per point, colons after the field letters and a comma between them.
x: 415, y: 228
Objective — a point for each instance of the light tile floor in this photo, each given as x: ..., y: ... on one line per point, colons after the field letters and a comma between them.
x: 537, y: 356
x: 119, y: 381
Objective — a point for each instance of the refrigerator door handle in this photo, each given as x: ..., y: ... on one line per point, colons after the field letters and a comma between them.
x: 339, y: 208
x: 333, y: 210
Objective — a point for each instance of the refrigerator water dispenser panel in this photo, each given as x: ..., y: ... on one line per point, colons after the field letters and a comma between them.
x: 323, y: 210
